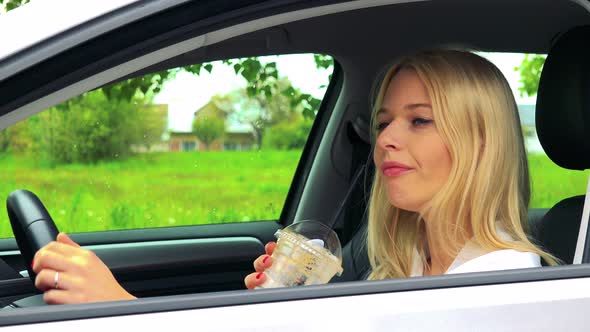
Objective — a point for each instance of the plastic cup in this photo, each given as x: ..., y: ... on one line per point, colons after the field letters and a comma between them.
x: 307, y: 253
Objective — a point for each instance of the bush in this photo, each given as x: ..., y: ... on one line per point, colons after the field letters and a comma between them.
x: 288, y: 135
x: 88, y: 129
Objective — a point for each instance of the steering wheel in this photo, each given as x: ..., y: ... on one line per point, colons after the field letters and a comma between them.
x: 33, y: 228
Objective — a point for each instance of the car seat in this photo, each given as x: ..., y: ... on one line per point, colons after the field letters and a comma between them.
x: 563, y: 126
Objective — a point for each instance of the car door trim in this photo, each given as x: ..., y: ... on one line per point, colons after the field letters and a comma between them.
x: 232, y: 298
x: 130, y: 256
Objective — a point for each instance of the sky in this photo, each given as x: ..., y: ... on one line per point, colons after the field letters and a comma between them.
x: 187, y: 92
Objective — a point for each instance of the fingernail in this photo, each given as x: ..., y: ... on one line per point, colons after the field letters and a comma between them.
x: 265, y: 259
x: 259, y: 275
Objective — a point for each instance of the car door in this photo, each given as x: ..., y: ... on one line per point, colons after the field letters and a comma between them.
x: 548, y: 298
x: 243, y: 199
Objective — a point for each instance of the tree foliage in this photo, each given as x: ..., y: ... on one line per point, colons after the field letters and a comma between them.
x: 264, y: 110
x: 288, y: 135
x: 15, y: 138
x: 94, y: 128
x: 264, y: 83
x: 12, y: 4
x: 5, y: 138
x: 530, y: 73
x: 151, y: 125
x: 208, y: 129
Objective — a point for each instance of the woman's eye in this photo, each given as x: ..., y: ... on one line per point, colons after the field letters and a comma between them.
x: 418, y: 122
x: 381, y: 126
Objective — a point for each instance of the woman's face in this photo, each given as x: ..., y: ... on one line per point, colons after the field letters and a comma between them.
x: 410, y: 154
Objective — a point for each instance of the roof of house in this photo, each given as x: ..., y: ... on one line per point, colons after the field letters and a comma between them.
x: 226, y: 106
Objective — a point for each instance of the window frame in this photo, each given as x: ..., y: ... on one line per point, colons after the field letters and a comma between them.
x: 247, y: 297
x: 299, y: 177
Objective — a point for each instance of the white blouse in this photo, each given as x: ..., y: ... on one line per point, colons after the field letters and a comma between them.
x: 473, y: 258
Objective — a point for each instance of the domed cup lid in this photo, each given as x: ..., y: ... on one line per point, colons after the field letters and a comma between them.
x: 318, y: 235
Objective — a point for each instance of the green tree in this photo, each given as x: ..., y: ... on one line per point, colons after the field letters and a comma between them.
x: 15, y: 138
x: 5, y: 137
x: 208, y: 129
x: 151, y: 125
x: 263, y: 83
x: 530, y: 73
x: 92, y: 129
x: 262, y: 111
x: 288, y: 135
x: 12, y: 4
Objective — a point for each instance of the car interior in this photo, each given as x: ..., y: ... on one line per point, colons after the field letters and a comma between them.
x: 333, y: 178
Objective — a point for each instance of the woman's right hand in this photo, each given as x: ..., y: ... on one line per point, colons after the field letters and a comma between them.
x: 261, y: 263
x: 68, y: 273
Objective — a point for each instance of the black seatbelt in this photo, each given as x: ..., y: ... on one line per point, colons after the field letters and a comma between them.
x: 351, y: 212
x: 355, y: 179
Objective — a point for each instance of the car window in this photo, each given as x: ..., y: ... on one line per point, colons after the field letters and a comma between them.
x: 207, y: 143
x: 549, y: 182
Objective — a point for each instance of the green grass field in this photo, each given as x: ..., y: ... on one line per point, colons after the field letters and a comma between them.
x: 171, y: 189
x: 155, y: 190
x: 551, y: 183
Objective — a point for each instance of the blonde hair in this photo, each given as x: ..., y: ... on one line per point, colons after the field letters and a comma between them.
x: 488, y: 187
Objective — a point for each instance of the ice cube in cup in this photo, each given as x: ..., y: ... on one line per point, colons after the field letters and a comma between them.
x: 307, y: 253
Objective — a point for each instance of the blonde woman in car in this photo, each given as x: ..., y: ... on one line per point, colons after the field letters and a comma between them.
x: 451, y: 187
x: 450, y: 193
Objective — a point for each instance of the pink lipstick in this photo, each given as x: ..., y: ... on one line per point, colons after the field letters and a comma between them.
x: 392, y: 168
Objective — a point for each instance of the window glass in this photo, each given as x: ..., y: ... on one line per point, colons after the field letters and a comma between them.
x: 208, y: 143
x: 549, y: 183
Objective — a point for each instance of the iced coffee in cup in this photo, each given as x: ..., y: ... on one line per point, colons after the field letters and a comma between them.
x: 307, y: 253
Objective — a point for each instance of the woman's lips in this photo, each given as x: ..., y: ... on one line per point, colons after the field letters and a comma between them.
x: 392, y: 168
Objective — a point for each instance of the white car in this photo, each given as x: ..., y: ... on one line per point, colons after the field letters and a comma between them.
x: 189, y: 273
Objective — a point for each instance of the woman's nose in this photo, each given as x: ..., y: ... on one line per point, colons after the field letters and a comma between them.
x: 390, y: 137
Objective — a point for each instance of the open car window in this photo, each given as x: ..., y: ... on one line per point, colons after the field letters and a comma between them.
x: 207, y: 143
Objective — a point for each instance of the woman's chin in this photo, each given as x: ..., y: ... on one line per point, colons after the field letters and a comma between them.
x: 405, y: 205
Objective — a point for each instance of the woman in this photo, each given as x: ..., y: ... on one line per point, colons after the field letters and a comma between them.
x: 450, y: 193
x: 451, y: 190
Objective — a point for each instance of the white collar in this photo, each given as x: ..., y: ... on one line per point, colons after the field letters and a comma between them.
x: 482, y: 260
x: 470, y: 251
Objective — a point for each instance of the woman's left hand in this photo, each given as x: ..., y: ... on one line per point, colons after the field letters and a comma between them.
x: 67, y: 273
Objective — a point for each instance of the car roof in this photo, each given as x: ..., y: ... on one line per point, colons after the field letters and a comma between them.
x: 53, y: 21
x: 50, y: 19
x: 486, y: 25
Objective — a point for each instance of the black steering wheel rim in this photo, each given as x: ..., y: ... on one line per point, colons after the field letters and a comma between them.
x: 33, y: 228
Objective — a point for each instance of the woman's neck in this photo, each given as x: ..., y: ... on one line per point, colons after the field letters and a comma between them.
x: 442, y: 254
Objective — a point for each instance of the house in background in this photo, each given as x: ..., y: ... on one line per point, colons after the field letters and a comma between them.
x: 183, y: 141
x: 237, y: 136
